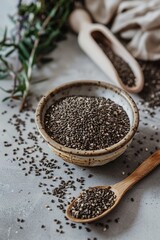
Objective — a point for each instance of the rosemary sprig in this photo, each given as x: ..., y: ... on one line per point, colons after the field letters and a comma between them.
x: 38, y: 27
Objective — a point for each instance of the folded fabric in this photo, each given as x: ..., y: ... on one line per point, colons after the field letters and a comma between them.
x: 102, y: 11
x: 136, y: 21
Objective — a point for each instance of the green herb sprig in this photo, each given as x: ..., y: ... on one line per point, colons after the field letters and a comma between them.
x: 38, y: 27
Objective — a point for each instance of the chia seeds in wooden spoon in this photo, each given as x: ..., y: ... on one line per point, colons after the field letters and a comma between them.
x: 92, y: 203
x: 123, y: 69
x: 86, y: 123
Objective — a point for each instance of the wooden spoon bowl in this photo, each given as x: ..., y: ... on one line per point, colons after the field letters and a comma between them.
x: 120, y: 188
x: 81, y: 23
x: 73, y: 219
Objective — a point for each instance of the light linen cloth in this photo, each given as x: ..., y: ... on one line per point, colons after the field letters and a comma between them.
x: 136, y: 21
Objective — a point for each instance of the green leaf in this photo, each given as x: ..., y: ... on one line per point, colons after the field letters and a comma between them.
x: 38, y: 27
x: 10, y: 52
x: 4, y: 37
x: 54, y: 10
x: 23, y: 50
x: 12, y: 19
x: 24, y: 62
x: 7, y: 91
x: 5, y: 44
x: 41, y: 80
x: 5, y: 63
x: 28, y: 42
x: 17, y: 97
x: 50, y: 38
x: 22, y: 82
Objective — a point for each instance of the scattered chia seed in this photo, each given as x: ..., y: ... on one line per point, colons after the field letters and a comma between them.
x: 90, y: 175
x: 106, y: 227
x: 123, y: 69
x: 116, y: 220
x: 86, y: 123
x: 59, y: 180
x: 151, y: 91
x: 88, y: 229
x: 93, y: 202
x: 20, y: 220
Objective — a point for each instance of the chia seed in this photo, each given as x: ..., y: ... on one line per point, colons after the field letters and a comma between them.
x: 116, y: 220
x: 151, y: 91
x: 86, y: 123
x: 93, y: 202
x: 123, y: 69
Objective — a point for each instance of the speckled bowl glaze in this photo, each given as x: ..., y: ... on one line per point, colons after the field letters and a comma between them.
x: 89, y: 88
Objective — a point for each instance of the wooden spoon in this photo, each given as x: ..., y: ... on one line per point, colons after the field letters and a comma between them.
x: 122, y: 187
x: 81, y: 23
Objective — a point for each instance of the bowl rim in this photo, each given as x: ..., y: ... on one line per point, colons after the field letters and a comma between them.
x: 110, y: 149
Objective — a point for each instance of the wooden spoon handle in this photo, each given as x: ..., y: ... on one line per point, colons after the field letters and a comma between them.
x: 79, y: 18
x: 146, y: 167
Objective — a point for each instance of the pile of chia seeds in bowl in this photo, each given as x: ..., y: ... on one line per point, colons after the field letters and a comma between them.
x: 86, y: 123
x: 93, y: 202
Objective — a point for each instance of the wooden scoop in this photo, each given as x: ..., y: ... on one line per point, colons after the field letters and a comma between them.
x: 122, y: 187
x: 81, y: 23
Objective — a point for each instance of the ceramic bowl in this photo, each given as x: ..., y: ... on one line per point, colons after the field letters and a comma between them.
x: 89, y: 88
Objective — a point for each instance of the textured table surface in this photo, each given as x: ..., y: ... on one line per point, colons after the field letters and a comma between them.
x: 32, y: 204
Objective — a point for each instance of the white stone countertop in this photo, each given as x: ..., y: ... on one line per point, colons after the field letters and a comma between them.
x: 21, y: 196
